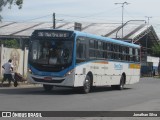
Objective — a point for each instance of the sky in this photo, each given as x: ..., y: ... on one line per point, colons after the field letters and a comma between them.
x: 94, y: 11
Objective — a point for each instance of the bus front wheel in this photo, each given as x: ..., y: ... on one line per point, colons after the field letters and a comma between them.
x: 87, y: 85
x: 47, y: 87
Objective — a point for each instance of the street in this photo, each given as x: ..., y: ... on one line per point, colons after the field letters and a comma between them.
x: 143, y: 96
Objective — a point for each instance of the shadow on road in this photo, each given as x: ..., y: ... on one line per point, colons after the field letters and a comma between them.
x: 55, y: 91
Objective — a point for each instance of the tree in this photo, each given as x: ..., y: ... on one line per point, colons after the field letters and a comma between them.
x: 4, y: 3
x: 156, y: 50
x: 159, y: 68
x: 10, y: 43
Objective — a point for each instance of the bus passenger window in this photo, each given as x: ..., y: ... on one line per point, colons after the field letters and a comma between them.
x: 116, y: 48
x: 109, y: 47
x: 104, y: 46
x: 109, y: 55
x: 136, y: 55
x: 92, y: 53
x: 131, y: 54
x: 100, y: 45
x: 123, y: 50
x: 91, y: 44
x: 133, y: 51
x: 112, y: 55
x: 127, y: 57
x: 81, y: 51
x: 127, y: 50
x: 105, y: 55
x: 95, y: 44
x: 124, y: 57
x: 99, y: 54
x: 120, y: 49
x: 112, y: 47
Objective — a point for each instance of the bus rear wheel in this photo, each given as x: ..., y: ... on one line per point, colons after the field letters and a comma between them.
x: 87, y: 85
x: 47, y: 87
x: 121, y: 85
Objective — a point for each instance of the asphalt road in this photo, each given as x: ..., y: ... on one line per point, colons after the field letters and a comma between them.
x: 143, y: 96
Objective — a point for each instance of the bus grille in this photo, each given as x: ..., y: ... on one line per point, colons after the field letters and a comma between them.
x: 48, y: 81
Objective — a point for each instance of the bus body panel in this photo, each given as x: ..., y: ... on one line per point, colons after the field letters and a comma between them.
x: 104, y: 71
x: 67, y: 81
x: 103, y: 74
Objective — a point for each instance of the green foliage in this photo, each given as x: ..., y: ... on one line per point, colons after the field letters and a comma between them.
x: 4, y: 3
x: 19, y: 3
x: 156, y: 50
x: 10, y: 43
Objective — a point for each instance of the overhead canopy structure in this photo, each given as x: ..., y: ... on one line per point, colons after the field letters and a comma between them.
x: 140, y: 33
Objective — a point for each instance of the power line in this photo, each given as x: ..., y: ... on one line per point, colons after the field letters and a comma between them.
x: 49, y: 15
x: 32, y: 19
x: 91, y: 15
x: 71, y: 16
x: 122, y: 5
x: 148, y: 18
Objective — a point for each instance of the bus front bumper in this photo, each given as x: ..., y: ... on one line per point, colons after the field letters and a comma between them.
x: 57, y: 81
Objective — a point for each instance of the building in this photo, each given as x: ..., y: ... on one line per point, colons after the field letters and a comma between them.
x: 134, y: 31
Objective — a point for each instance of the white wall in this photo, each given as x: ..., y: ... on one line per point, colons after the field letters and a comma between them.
x: 155, y: 60
x: 19, y: 57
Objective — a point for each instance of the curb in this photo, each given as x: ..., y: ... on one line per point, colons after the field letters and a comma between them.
x: 20, y: 84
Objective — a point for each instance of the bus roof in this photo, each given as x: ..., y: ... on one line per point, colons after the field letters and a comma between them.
x: 79, y: 33
x: 106, y: 39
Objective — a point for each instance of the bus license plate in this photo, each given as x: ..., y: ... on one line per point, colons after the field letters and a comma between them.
x: 47, y: 78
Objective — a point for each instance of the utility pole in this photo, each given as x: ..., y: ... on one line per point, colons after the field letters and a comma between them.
x: 54, y: 20
x: 122, y: 12
x: 148, y: 18
x: 127, y: 23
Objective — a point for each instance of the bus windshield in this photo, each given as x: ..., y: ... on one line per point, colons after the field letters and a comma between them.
x: 49, y: 54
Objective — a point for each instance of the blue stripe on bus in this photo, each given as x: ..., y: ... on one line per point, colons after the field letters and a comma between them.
x: 93, y: 61
x: 106, y: 39
x: 54, y: 74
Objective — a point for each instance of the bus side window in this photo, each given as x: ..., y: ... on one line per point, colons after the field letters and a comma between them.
x: 81, y: 51
x: 91, y: 44
x: 127, y: 54
x: 123, y: 53
x: 100, y: 50
x: 109, y: 55
x: 136, y: 55
x: 109, y: 47
x: 131, y: 54
x: 100, y: 45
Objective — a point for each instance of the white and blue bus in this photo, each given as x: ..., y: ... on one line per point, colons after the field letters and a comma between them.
x: 77, y: 59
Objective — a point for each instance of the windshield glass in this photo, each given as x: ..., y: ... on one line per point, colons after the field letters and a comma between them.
x: 51, y: 53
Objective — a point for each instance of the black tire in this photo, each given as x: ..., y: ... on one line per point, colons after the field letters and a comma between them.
x: 47, y: 88
x: 122, y: 83
x: 114, y: 87
x: 15, y: 83
x: 120, y: 86
x: 87, y: 85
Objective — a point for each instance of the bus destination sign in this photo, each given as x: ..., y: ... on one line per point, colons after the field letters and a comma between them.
x: 56, y: 34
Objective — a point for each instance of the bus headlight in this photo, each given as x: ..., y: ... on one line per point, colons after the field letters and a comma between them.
x: 69, y: 72
x: 29, y: 71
